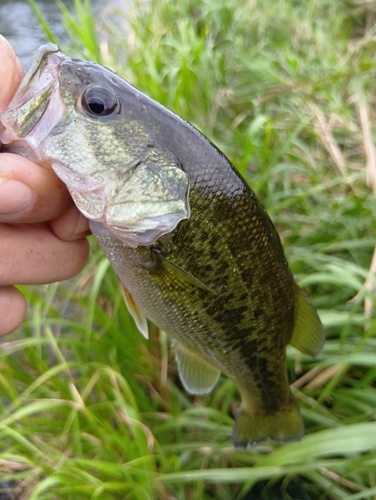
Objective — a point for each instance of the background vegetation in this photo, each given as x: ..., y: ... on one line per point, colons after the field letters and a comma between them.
x: 89, y: 409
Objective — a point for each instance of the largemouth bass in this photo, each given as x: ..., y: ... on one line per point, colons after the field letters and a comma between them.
x: 195, y: 251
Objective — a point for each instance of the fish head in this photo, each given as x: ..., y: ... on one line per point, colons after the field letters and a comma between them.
x: 92, y: 127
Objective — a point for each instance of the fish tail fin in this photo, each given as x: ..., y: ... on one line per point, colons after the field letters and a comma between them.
x: 281, y: 426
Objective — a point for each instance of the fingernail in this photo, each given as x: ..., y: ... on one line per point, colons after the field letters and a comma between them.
x: 15, y: 197
x: 82, y: 227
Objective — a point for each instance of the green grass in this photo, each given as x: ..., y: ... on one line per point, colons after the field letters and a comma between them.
x: 90, y: 409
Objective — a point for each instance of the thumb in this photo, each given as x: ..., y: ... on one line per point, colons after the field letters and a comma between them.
x: 11, y: 73
x: 28, y: 192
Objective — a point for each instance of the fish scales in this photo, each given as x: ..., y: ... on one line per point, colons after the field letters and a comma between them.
x: 195, y: 251
x: 240, y: 309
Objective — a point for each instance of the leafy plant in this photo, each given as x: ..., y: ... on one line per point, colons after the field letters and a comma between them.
x: 92, y: 410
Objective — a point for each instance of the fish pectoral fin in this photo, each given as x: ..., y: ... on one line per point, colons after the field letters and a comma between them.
x: 308, y: 335
x: 139, y: 318
x: 197, y: 376
x: 181, y: 274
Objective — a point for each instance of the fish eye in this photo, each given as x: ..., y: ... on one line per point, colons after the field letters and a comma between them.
x: 99, y: 101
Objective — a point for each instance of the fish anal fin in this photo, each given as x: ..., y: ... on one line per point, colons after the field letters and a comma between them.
x: 308, y: 335
x: 197, y: 376
x: 139, y: 318
x: 283, y: 425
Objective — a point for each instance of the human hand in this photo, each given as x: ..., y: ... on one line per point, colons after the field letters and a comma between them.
x: 42, y: 234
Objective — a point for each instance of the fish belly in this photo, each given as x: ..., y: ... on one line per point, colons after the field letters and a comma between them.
x: 221, y: 331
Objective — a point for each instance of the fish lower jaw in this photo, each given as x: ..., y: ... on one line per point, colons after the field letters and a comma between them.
x: 145, y: 232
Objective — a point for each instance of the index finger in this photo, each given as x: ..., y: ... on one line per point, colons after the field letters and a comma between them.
x: 11, y: 73
x: 48, y: 196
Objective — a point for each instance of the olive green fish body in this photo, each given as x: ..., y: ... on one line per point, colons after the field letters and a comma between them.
x: 195, y: 251
x: 243, y: 318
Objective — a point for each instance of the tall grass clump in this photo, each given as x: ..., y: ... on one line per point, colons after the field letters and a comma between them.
x: 90, y: 409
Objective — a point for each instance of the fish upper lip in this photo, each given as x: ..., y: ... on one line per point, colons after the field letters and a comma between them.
x: 38, y: 85
x: 43, y: 71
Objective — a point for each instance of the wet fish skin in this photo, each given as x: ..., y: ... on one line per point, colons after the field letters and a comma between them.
x: 218, y: 282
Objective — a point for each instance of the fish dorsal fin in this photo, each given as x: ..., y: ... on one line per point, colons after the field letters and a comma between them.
x: 139, y: 318
x: 181, y: 273
x: 308, y: 335
x: 197, y: 376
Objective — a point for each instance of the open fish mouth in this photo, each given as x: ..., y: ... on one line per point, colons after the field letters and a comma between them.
x: 38, y: 96
x: 139, y: 191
